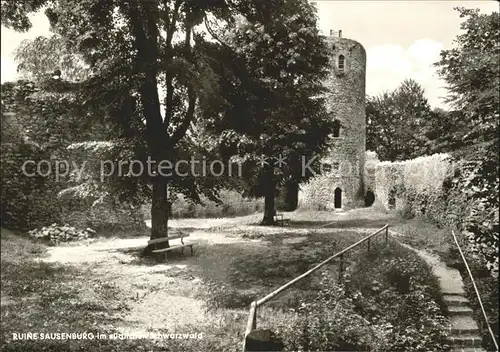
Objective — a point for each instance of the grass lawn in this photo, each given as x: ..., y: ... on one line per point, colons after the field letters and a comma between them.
x: 422, y: 235
x: 40, y: 297
x: 106, y: 287
x: 390, y: 301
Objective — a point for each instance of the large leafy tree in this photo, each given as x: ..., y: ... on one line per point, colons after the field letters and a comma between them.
x: 446, y: 131
x: 472, y: 73
x: 44, y: 58
x: 135, y: 50
x: 271, y: 108
x: 400, y: 123
x: 132, y: 48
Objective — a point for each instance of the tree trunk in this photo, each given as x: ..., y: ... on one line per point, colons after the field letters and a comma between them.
x: 159, y: 212
x: 270, y: 195
x: 291, y: 195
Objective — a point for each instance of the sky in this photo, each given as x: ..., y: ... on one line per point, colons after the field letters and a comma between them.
x: 402, y: 38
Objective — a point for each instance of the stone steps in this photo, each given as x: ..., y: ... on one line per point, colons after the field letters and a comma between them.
x: 455, y: 300
x: 464, y: 331
x: 460, y: 310
x: 465, y: 340
x: 464, y: 334
x: 463, y: 325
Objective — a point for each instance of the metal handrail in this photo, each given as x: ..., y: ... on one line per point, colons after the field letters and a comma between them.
x: 477, y: 291
x: 252, y: 316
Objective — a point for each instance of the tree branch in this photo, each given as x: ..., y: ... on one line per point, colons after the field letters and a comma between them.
x: 170, y: 29
x: 146, y: 45
x: 212, y: 33
x: 182, y: 129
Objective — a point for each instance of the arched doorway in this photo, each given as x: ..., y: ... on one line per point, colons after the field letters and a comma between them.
x: 336, y: 128
x: 391, y: 201
x: 369, y: 198
x: 338, y: 198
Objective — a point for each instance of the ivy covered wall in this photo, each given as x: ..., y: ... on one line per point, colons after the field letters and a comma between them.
x: 458, y: 191
x: 39, y: 124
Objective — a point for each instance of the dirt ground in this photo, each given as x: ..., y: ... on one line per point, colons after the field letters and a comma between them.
x: 149, y: 288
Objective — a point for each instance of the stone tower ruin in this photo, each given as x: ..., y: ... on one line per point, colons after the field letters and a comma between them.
x: 345, y: 101
x: 342, y: 183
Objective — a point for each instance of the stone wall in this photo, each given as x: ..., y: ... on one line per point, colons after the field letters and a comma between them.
x: 454, y: 192
x: 424, y: 175
x: 105, y: 216
x: 29, y: 126
x: 393, y: 180
x: 371, y: 162
x: 26, y: 202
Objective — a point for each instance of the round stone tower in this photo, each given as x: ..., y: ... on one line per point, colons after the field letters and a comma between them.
x: 345, y: 101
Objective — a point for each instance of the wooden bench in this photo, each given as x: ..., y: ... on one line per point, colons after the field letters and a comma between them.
x: 279, y: 218
x: 180, y: 236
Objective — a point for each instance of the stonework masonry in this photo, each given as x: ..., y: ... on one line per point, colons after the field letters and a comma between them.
x: 346, y: 85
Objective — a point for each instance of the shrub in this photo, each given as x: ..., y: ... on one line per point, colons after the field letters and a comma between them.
x: 221, y: 296
x: 390, y: 301
x: 232, y: 204
x: 457, y: 191
x: 329, y: 323
x: 395, y: 287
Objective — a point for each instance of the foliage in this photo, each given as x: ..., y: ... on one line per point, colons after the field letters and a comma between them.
x: 42, y: 58
x: 448, y: 130
x: 221, y: 296
x: 472, y: 74
x: 329, y: 323
x: 42, y: 120
x: 479, y: 184
x: 400, y: 124
x: 457, y: 191
x: 487, y: 285
x: 467, y: 198
x: 16, y: 15
x: 394, y: 286
x: 231, y: 204
x: 123, y: 47
x: 266, y: 106
x: 389, y: 302
x: 52, y: 116
x: 488, y: 289
x: 130, y: 49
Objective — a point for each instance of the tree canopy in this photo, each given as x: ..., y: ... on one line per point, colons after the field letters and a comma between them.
x: 269, y: 111
x: 472, y: 73
x: 400, y: 123
x: 152, y: 68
